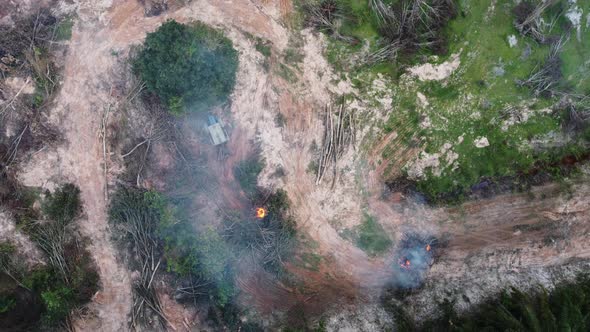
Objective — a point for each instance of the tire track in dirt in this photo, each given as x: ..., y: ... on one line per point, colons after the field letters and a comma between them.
x: 84, y: 96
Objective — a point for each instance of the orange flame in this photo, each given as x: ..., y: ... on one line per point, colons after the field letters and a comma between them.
x: 260, y: 213
x: 405, y: 263
x: 428, y: 247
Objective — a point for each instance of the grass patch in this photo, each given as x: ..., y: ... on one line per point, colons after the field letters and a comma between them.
x: 477, y: 100
x: 286, y: 73
x: 293, y: 56
x: 264, y: 47
x: 372, y: 237
x: 64, y: 29
x: 310, y: 261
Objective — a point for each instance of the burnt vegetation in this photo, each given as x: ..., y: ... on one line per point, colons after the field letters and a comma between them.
x: 270, y: 238
x: 199, y: 262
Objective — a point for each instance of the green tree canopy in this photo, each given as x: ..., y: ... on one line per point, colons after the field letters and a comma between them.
x: 188, y: 67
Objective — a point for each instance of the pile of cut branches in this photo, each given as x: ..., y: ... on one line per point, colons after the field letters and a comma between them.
x: 545, y: 77
x: 410, y: 26
x: 326, y: 16
x: 576, y: 117
x: 339, y: 133
x: 26, y: 51
x: 134, y: 211
x: 270, y: 239
x: 529, y: 20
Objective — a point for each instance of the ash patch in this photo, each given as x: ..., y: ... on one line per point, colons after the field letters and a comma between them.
x: 154, y: 7
x: 414, y: 257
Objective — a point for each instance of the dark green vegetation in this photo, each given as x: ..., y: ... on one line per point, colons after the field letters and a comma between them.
x: 519, y: 97
x: 566, y: 308
x: 372, y: 237
x: 43, y: 298
x: 203, y: 259
x: 246, y: 173
x: 264, y: 47
x: 189, y: 67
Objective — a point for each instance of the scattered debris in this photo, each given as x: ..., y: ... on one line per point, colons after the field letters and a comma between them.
x: 339, y: 133
x: 481, y: 142
x: 430, y: 72
x: 574, y: 15
x: 216, y: 131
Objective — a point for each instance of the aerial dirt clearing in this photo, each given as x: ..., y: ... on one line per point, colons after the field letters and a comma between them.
x: 250, y: 164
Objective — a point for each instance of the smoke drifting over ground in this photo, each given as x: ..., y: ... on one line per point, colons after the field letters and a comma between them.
x: 413, y: 259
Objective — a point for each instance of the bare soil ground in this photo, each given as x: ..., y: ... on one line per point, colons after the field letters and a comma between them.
x: 475, y: 231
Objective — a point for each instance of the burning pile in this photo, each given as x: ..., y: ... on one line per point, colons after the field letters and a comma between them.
x: 414, y: 258
x: 260, y: 213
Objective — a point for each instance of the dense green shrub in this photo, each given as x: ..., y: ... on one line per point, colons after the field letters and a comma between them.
x: 58, y: 303
x: 189, y: 67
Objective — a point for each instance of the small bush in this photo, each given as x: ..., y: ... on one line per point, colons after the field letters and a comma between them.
x: 263, y: 47
x: 247, y: 174
x: 64, y: 205
x: 58, y: 303
x: 188, y: 67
